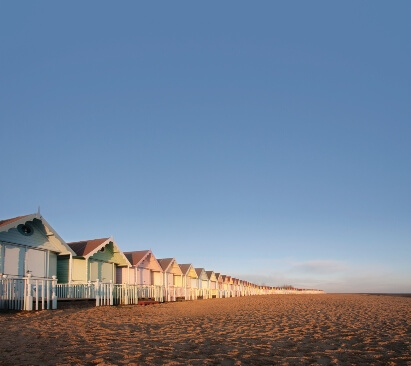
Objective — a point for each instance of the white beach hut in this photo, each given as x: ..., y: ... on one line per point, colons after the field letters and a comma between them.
x: 173, y: 280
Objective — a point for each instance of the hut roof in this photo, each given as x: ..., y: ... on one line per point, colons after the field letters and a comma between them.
x: 38, y: 221
x: 170, y: 265
x: 144, y: 258
x: 137, y: 256
x: 9, y: 221
x: 211, y: 276
x: 87, y: 248
x: 188, y: 270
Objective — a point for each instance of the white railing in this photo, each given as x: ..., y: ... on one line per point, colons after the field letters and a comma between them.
x: 76, y: 291
x: 191, y: 293
x: 171, y: 293
x: 107, y: 293
x: 28, y: 293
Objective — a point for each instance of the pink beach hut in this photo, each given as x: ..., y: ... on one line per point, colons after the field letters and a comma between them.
x: 145, y: 269
x: 220, y: 285
x: 145, y: 274
x: 236, y: 287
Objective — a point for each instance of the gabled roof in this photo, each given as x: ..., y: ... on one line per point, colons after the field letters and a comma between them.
x: 9, y: 221
x: 87, y: 248
x: 137, y: 258
x: 201, y: 273
x: 188, y: 270
x: 227, y: 279
x: 170, y: 265
x: 219, y: 277
x: 43, y: 226
x: 211, y: 276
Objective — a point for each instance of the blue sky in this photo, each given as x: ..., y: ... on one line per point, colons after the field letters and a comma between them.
x: 267, y: 141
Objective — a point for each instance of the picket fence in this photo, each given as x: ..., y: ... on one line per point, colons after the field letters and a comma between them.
x: 29, y: 293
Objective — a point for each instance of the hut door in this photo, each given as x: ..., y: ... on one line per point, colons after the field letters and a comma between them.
x: 193, y: 282
x: 177, y: 281
x: 94, y: 270
x: 14, y: 260
x: 106, y: 272
x: 156, y: 280
x: 170, y: 279
x: 146, y: 276
x: 36, y: 262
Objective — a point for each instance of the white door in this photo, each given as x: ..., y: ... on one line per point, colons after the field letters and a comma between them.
x: 36, y: 262
x: 14, y: 260
x: 157, y: 278
x: 146, y: 276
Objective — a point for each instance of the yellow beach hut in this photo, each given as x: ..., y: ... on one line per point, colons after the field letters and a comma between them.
x: 189, y: 281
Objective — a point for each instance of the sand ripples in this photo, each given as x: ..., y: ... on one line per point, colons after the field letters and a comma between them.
x: 276, y: 329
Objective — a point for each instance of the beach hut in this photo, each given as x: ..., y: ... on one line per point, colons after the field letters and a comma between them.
x: 190, y: 279
x: 30, y: 246
x: 29, y: 251
x: 236, y: 287
x: 145, y: 269
x: 145, y: 275
x: 202, y: 283
x: 95, y: 259
x: 228, y: 286
x: 241, y: 287
x: 212, y: 284
x: 220, y: 285
x: 172, y: 279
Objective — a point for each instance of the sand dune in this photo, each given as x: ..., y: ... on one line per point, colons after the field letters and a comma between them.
x: 258, y: 330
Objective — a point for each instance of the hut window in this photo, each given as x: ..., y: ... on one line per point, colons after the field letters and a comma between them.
x: 102, y: 250
x: 25, y: 230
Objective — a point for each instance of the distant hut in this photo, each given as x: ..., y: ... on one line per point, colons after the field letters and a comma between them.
x: 202, y: 283
x: 220, y: 285
x: 173, y: 281
x: 212, y: 284
x: 190, y: 279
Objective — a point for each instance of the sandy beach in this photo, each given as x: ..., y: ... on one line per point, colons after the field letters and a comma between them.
x: 260, y: 330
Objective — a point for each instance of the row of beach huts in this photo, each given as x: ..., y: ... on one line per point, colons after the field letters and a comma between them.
x: 39, y: 270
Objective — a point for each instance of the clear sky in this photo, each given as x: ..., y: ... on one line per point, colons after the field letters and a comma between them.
x: 270, y: 141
